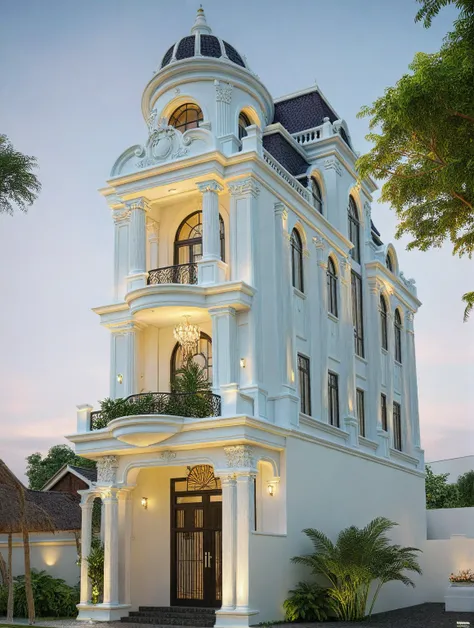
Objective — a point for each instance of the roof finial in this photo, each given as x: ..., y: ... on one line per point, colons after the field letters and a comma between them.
x: 200, y: 25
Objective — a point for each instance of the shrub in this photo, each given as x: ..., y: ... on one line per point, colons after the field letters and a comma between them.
x: 308, y: 602
x: 53, y: 596
x: 95, y: 570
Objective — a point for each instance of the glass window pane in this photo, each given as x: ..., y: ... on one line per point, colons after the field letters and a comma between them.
x: 189, y: 499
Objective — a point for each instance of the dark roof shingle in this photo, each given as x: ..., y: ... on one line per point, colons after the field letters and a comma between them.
x: 303, y: 112
x: 279, y: 147
x: 90, y: 474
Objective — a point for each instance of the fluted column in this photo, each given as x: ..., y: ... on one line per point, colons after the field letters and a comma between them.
x: 137, y: 243
x: 211, y: 268
x: 111, y: 546
x: 87, y: 504
x: 228, y: 483
x: 347, y: 384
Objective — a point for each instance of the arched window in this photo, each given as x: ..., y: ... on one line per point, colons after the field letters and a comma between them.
x: 383, y: 322
x: 187, y: 116
x: 354, y: 229
x: 188, y: 240
x: 203, y: 357
x: 317, y: 196
x: 297, y: 260
x: 398, y: 337
x: 331, y: 276
x: 388, y: 262
x: 244, y: 122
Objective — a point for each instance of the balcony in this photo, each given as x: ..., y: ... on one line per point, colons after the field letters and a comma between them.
x: 179, y: 274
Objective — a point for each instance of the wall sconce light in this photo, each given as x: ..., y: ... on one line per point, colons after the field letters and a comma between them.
x: 271, y: 490
x: 145, y: 503
x: 119, y: 378
x: 242, y: 363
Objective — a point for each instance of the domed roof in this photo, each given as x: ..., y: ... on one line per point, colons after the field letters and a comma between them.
x: 202, y: 43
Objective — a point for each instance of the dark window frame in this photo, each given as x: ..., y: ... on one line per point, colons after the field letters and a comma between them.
x: 207, y: 356
x: 186, y: 116
x: 244, y: 122
x: 357, y: 313
x: 384, y: 322
x: 297, y: 273
x: 333, y: 399
x: 304, y: 383
x: 360, y: 406
x: 397, y: 426
x: 389, y: 262
x: 397, y: 327
x: 317, y: 195
x: 354, y: 229
x: 191, y: 242
x: 331, y: 279
x: 383, y: 412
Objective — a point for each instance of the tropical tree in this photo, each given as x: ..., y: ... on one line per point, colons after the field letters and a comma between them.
x: 422, y: 131
x: 359, y: 558
x: 19, y: 186
x: 41, y: 469
x: 465, y: 489
x: 440, y: 494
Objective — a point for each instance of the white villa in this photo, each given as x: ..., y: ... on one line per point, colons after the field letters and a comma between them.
x: 243, y: 213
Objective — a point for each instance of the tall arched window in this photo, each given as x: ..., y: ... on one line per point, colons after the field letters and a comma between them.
x: 297, y: 260
x: 244, y: 122
x: 388, y: 262
x: 203, y: 357
x: 187, y: 116
x: 398, y: 336
x: 331, y: 276
x: 317, y: 196
x: 383, y: 322
x: 354, y: 229
x: 188, y: 240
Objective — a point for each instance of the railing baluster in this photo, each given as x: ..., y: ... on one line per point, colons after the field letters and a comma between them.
x: 179, y: 274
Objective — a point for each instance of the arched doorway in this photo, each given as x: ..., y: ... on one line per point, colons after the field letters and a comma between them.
x: 188, y: 240
x: 203, y: 357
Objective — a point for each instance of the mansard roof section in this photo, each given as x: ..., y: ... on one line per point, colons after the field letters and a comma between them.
x: 286, y: 154
x: 304, y: 110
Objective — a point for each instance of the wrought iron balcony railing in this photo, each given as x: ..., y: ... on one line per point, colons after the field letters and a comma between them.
x: 194, y: 405
x: 181, y: 273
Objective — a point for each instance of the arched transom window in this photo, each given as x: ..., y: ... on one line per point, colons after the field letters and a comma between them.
x: 354, y: 229
x: 188, y: 240
x: 398, y: 336
x: 332, y: 287
x: 383, y: 322
x: 244, y: 122
x: 389, y: 262
x: 297, y: 260
x: 203, y: 357
x: 187, y: 116
x: 317, y: 196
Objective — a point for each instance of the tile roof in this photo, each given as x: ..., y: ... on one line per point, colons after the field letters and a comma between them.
x: 90, y: 474
x: 303, y: 112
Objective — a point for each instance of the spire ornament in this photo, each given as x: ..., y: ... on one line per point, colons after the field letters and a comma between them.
x: 201, y: 26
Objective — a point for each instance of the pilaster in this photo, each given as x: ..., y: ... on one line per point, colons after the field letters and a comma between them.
x: 374, y: 358
x: 211, y: 268
x: 153, y: 235
x: 319, y: 337
x: 244, y: 229
x: 347, y: 384
x: 87, y: 504
x: 124, y: 358
x: 225, y: 124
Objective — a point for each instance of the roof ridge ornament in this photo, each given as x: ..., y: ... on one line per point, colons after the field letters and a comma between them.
x: 201, y: 26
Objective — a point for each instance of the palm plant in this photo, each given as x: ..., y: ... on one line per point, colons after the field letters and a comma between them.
x: 360, y: 557
x: 19, y: 186
x: 191, y: 387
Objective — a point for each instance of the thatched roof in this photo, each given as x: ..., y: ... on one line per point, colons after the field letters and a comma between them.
x: 34, y: 511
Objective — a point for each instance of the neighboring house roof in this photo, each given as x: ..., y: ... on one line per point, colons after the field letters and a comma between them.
x: 306, y: 111
x: 86, y: 475
x: 281, y: 149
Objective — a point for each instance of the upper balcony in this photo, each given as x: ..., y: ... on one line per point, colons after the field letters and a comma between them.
x: 179, y: 274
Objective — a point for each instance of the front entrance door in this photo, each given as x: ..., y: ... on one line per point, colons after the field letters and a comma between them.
x: 196, y: 540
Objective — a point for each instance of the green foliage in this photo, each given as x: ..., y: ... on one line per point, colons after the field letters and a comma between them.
x: 95, y: 570
x: 53, y: 597
x: 40, y: 470
x: 308, y: 602
x: 19, y: 187
x: 359, y: 558
x: 465, y: 490
x: 424, y: 145
x: 440, y: 494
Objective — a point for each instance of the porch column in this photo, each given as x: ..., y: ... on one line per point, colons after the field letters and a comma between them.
x: 125, y: 537
x: 224, y: 339
x: 228, y: 483
x: 245, y: 523
x: 137, y: 243
x: 87, y: 504
x: 347, y: 376
x: 211, y: 268
x: 111, y: 546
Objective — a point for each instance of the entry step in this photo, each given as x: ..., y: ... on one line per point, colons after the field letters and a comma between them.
x: 172, y: 616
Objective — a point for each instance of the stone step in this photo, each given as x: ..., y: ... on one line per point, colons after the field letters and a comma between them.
x: 177, y: 609
x: 163, y: 615
x: 167, y: 622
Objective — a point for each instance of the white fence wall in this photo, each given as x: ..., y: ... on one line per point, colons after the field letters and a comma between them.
x: 443, y: 523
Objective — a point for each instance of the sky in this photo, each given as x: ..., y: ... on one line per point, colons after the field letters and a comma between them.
x: 72, y: 76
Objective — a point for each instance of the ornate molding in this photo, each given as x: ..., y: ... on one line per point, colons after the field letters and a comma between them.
x: 107, y: 469
x: 280, y: 210
x: 244, y: 186
x: 210, y: 186
x: 137, y: 203
x: 121, y: 215
x: 167, y: 456
x: 333, y: 164
x: 368, y: 211
x: 223, y: 92
x: 409, y: 283
x: 239, y: 456
x: 152, y: 229
x: 164, y: 142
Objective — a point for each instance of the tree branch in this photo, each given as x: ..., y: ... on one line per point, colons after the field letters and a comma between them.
x: 463, y: 200
x: 458, y: 114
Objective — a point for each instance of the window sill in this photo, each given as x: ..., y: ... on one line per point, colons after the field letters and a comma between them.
x: 366, y: 442
x: 281, y: 535
x: 384, y: 351
x: 396, y: 453
x: 297, y: 292
x: 332, y: 317
x: 398, y: 363
x: 310, y: 421
x: 363, y: 360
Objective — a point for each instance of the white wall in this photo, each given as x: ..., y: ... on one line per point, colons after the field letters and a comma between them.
x: 454, y: 466
x: 441, y: 558
x: 446, y: 522
x: 56, y: 554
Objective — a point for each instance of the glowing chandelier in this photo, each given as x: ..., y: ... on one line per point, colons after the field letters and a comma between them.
x: 188, y: 337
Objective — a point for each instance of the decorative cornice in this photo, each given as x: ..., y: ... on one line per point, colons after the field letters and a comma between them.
x: 107, y: 469
x: 333, y: 164
x: 223, y: 92
x: 239, y: 456
x: 137, y: 203
x: 209, y: 186
x: 244, y: 186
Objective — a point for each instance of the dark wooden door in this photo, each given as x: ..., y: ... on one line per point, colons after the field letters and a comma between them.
x: 196, y: 546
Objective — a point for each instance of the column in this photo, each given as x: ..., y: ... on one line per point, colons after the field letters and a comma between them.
x: 226, y: 124
x: 121, y: 252
x: 137, y: 276
x: 412, y: 387
x: 228, y: 483
x: 111, y: 546
x: 87, y: 504
x: 245, y: 522
x: 244, y: 230
x: 211, y: 268
x: 319, y: 333
x: 153, y: 232
x: 125, y: 537
x: 347, y: 376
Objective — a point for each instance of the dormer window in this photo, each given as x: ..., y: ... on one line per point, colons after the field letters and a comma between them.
x: 244, y: 122
x: 185, y: 117
x: 317, y: 196
x: 389, y: 263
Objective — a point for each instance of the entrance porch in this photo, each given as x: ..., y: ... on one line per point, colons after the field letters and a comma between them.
x: 177, y: 532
